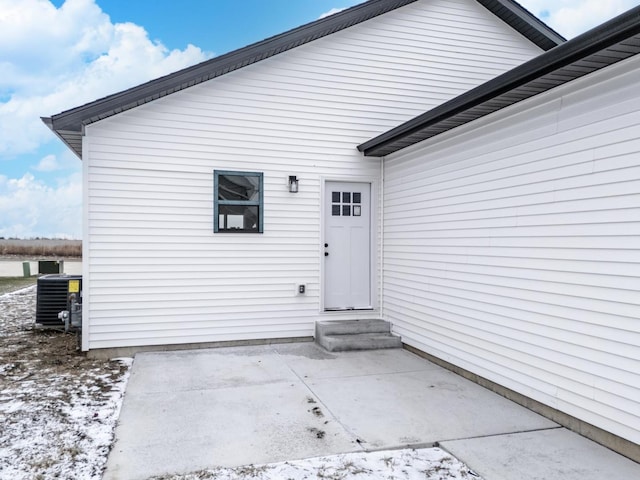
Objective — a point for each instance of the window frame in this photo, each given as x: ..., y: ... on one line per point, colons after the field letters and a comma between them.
x: 247, y: 203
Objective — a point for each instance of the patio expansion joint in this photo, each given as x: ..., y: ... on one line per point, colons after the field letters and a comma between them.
x: 357, y: 440
x: 529, y: 430
x: 404, y: 446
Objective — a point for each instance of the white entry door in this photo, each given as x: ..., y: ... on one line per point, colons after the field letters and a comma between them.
x: 347, y: 246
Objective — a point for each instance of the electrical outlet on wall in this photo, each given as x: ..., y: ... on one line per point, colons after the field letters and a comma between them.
x: 300, y: 289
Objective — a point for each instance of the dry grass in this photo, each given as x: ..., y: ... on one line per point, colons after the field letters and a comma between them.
x: 10, y: 284
x: 57, y: 407
x: 41, y: 248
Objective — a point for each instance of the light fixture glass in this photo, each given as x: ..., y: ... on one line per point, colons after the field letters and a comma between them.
x: 293, y: 184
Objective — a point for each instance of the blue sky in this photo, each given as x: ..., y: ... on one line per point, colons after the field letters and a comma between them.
x: 56, y: 55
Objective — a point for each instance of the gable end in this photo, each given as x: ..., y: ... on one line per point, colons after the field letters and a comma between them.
x: 68, y: 125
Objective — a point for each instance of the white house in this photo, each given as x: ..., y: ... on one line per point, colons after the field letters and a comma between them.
x: 511, y: 245
x: 498, y: 232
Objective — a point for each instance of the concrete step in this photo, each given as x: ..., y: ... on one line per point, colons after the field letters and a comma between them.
x: 359, y: 341
x: 348, y: 335
x: 345, y: 327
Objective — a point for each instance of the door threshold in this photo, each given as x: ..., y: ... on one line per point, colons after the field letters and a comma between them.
x: 349, y: 309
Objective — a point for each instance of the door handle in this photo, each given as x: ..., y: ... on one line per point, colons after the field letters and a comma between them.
x: 326, y: 254
x: 326, y: 245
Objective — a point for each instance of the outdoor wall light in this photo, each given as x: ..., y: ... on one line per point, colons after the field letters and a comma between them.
x: 293, y: 184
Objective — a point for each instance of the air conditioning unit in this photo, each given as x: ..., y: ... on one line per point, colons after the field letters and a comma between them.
x: 55, y: 294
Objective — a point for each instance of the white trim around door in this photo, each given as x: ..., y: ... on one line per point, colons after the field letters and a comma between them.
x: 348, y: 245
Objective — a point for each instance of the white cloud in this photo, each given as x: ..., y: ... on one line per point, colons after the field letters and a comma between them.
x: 53, y: 163
x: 49, y: 163
x: 331, y: 12
x: 29, y: 207
x: 573, y: 17
x: 55, y: 59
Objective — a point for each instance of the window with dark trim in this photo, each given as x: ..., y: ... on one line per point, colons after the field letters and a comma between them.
x: 237, y: 201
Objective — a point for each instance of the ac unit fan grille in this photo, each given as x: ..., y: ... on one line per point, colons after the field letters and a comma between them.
x: 52, y: 298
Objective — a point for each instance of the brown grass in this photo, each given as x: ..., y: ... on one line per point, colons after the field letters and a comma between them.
x: 44, y: 376
x: 71, y: 249
x: 10, y: 284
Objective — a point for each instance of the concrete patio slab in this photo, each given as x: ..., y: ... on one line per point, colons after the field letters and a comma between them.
x: 228, y: 426
x: 541, y: 455
x: 157, y: 372
x: 191, y: 410
x: 421, y: 408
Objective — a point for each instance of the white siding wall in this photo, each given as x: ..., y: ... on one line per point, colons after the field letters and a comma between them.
x: 156, y: 273
x: 512, y: 248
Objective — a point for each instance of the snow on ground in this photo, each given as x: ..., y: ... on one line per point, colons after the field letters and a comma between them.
x: 58, y: 409
x: 58, y: 412
x: 423, y: 464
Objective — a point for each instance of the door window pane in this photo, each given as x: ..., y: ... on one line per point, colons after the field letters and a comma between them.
x: 346, y: 204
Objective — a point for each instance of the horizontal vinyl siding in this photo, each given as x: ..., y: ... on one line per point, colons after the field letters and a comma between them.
x: 512, y: 248
x: 156, y: 272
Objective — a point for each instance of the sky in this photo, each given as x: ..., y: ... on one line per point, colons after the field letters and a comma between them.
x: 56, y: 55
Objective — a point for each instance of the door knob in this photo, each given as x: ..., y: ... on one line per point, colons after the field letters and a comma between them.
x: 326, y: 254
x: 326, y: 245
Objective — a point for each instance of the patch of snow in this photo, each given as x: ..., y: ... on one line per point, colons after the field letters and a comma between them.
x: 22, y: 291
x: 58, y: 409
x: 58, y: 412
x: 422, y: 464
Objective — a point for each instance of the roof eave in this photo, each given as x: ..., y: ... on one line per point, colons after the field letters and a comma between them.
x: 217, y: 66
x: 593, y: 41
x: 64, y: 136
x: 68, y: 125
x: 525, y: 22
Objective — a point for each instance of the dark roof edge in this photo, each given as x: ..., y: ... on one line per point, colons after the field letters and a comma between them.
x: 228, y: 62
x: 49, y: 123
x: 525, y: 22
x: 607, y: 34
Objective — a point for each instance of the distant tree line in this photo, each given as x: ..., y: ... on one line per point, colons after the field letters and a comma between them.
x: 41, y: 248
x: 33, y: 238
